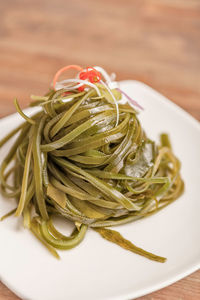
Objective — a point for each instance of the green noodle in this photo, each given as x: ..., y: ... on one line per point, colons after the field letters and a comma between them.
x: 72, y: 160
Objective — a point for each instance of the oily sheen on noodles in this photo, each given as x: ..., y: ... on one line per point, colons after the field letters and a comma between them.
x: 86, y: 158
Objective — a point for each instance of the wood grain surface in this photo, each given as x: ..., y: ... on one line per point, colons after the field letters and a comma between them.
x: 154, y: 41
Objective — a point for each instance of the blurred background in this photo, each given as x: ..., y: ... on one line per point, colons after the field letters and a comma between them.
x: 153, y: 41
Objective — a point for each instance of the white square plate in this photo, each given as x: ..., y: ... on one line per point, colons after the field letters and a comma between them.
x: 97, y: 269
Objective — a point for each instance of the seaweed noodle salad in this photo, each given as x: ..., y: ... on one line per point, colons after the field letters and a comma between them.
x: 84, y: 157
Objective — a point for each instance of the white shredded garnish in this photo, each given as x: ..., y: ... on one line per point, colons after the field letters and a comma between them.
x: 112, y: 76
x: 104, y: 73
x: 114, y: 99
x: 108, y: 85
x: 60, y: 84
x: 110, y: 80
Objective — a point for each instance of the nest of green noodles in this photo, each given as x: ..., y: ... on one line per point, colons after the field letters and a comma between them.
x: 71, y: 159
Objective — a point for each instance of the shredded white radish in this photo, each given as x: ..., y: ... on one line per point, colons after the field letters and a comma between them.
x: 114, y: 99
x: 84, y: 82
x: 112, y: 76
x: 110, y: 80
x: 104, y: 73
x: 67, y: 87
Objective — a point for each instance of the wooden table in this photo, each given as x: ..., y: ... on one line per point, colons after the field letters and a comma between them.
x: 157, y: 42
